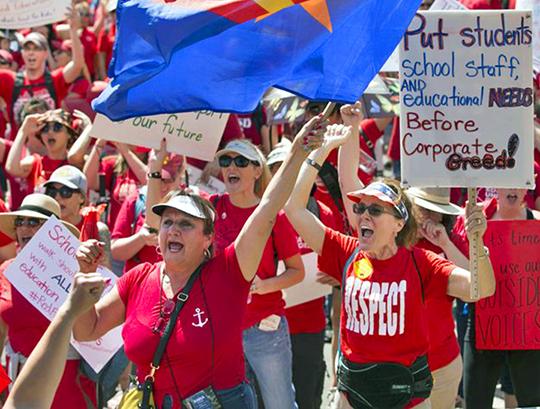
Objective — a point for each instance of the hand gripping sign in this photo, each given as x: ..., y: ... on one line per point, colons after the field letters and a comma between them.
x: 43, y: 272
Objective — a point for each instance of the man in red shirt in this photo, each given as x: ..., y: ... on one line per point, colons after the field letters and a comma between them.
x: 35, y: 80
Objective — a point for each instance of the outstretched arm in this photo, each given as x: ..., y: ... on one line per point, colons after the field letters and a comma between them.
x: 304, y: 222
x: 250, y: 242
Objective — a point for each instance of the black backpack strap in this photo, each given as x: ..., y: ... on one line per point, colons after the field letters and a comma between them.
x: 419, y: 276
x: 49, y: 84
x: 368, y: 142
x: 329, y: 176
x: 313, y: 207
x: 17, y: 86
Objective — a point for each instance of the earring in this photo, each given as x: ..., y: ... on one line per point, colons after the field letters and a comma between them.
x: 207, y: 253
x: 158, y: 251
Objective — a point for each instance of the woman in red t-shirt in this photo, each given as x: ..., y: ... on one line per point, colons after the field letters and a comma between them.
x: 205, y: 349
x: 436, y: 217
x: 57, y: 131
x: 384, y: 337
x: 266, y: 336
x: 22, y: 322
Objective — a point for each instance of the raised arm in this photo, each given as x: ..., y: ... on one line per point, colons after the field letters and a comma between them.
x: 349, y: 156
x: 77, y: 152
x: 153, y: 193
x: 459, y: 282
x: 73, y: 69
x: 305, y: 223
x: 250, y: 242
x: 16, y: 165
x: 40, y: 376
x: 138, y: 167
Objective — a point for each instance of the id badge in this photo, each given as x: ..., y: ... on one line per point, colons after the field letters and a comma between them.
x: 270, y: 323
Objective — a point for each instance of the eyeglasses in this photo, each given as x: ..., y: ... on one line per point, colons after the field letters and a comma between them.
x: 240, y: 161
x: 54, y: 126
x: 28, y: 221
x: 374, y: 210
x: 65, y: 192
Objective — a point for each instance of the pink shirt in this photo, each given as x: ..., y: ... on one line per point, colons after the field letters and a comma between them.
x: 216, y: 304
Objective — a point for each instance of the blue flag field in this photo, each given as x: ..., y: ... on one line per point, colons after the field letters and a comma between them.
x: 185, y: 55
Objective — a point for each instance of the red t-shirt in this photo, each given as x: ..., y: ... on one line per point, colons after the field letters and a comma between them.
x: 7, y: 83
x: 4, y: 240
x: 282, y: 242
x: 214, y: 309
x: 400, y: 333
x: 309, y: 317
x: 250, y: 124
x: 26, y: 326
x: 443, y: 344
x: 89, y: 42
x: 126, y: 226
x: 120, y: 187
x: 105, y: 43
x: 394, y: 149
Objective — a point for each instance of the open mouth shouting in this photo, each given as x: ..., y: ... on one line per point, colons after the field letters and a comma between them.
x: 366, y: 232
x: 233, y: 178
x: 174, y: 246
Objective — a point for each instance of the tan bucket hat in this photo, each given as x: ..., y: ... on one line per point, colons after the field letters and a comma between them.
x: 35, y: 205
x: 436, y: 199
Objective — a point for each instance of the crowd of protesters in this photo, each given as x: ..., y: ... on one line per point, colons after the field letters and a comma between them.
x: 395, y: 261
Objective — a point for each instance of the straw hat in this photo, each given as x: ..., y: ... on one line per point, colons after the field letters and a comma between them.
x: 435, y: 199
x: 36, y: 205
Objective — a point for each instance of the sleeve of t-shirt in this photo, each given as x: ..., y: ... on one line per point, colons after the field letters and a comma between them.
x: 435, y: 271
x: 60, y: 84
x: 232, y: 266
x: 124, y: 220
x: 372, y: 132
x: 284, y: 238
x: 130, y: 279
x: 337, y: 248
x: 107, y: 167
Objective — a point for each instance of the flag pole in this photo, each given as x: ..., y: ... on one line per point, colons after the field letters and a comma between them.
x: 328, y: 110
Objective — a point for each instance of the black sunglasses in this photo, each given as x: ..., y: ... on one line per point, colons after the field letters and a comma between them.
x: 240, y: 161
x: 54, y: 126
x: 374, y: 210
x: 28, y: 221
x: 65, y: 192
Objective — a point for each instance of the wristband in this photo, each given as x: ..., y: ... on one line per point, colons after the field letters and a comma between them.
x: 311, y: 162
x: 154, y: 175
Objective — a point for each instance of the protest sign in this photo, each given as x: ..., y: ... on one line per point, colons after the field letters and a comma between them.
x: 31, y: 13
x: 308, y: 289
x: 447, y: 5
x: 194, y: 134
x: 510, y: 319
x: 211, y: 186
x: 533, y: 5
x: 467, y: 99
x: 43, y: 272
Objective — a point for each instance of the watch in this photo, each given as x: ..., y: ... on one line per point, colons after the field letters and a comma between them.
x: 311, y: 162
x: 154, y: 175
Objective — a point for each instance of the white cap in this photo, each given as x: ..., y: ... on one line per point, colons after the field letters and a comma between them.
x: 182, y: 203
x: 279, y: 153
x: 241, y: 148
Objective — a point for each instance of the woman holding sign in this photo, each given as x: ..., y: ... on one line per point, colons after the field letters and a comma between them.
x: 483, y: 368
x: 385, y: 284
x: 23, y: 323
x: 205, y: 357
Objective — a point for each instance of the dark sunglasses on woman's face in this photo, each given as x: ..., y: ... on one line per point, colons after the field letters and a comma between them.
x: 28, y: 221
x: 374, y: 210
x: 65, y: 192
x: 240, y: 161
x: 54, y: 126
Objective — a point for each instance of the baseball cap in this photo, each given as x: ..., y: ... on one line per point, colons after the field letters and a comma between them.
x: 279, y: 153
x: 242, y: 148
x: 182, y: 203
x: 382, y: 192
x: 36, y: 38
x: 69, y: 176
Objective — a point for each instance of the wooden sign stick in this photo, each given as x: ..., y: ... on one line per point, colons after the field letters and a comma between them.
x: 474, y: 248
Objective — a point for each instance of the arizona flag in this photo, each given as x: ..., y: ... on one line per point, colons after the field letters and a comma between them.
x: 221, y: 55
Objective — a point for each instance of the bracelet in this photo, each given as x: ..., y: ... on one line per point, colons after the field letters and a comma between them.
x: 311, y: 162
x: 154, y: 175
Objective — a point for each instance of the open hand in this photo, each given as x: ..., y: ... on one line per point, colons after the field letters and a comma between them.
x: 157, y: 156
x: 311, y: 135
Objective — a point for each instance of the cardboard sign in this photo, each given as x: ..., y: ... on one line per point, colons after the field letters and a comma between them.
x: 308, y: 289
x: 31, y: 13
x: 533, y: 5
x: 510, y: 319
x: 467, y: 99
x: 194, y: 134
x: 43, y: 272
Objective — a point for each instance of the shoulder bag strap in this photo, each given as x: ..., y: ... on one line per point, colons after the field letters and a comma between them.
x: 419, y: 275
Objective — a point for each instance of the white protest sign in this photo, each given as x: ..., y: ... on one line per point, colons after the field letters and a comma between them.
x: 533, y: 5
x: 308, y: 289
x: 15, y: 14
x: 194, y: 134
x: 467, y: 100
x: 43, y: 272
x: 447, y: 5
x: 213, y: 185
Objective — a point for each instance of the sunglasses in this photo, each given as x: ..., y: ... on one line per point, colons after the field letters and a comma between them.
x: 28, y: 221
x: 65, y: 192
x: 54, y: 126
x: 374, y: 210
x: 239, y: 161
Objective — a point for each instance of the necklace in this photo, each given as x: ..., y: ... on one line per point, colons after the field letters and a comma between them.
x: 165, y: 307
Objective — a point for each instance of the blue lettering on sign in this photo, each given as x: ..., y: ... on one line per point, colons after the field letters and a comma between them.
x: 427, y: 68
x: 505, y: 66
